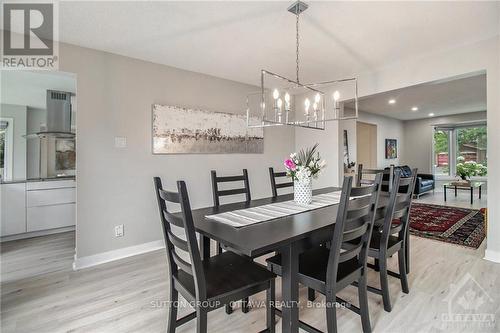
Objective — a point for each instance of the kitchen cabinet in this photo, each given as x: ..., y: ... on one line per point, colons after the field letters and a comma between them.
x: 13, y: 208
x: 50, y: 205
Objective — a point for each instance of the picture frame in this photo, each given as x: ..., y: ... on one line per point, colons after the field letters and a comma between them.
x: 391, y: 149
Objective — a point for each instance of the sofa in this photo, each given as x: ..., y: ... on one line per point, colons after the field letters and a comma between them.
x: 424, y: 183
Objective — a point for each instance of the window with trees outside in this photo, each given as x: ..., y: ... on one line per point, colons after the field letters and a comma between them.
x: 461, y: 151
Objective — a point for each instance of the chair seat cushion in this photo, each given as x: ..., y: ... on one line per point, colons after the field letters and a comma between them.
x: 226, y: 273
x: 313, y: 264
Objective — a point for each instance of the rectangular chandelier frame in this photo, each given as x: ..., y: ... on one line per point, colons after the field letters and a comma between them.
x: 308, y: 123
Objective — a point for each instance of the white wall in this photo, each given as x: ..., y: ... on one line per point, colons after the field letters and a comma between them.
x: 328, y: 149
x: 418, y: 138
x: 30, y: 87
x: 387, y: 128
x: 18, y: 114
x: 114, y: 186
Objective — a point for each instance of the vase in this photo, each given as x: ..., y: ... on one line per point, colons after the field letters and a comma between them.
x: 302, y: 192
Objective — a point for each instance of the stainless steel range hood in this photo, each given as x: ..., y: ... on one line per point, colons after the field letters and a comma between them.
x: 58, y: 119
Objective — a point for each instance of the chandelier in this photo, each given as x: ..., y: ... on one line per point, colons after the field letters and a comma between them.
x: 283, y: 101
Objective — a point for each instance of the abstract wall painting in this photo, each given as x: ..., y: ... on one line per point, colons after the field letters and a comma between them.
x: 391, y: 149
x: 179, y: 130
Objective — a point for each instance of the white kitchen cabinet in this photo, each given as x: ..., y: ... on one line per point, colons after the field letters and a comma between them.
x: 55, y: 196
x: 13, y: 209
x: 50, y: 205
x: 48, y: 185
x: 50, y: 217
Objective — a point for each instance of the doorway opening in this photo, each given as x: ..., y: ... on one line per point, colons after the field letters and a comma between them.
x: 366, y: 144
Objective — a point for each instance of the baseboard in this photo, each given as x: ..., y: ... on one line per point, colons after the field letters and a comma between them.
x: 101, y: 258
x: 492, y: 255
x: 36, y: 234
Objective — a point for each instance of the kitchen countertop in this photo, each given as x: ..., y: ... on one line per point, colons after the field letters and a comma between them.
x: 37, y: 180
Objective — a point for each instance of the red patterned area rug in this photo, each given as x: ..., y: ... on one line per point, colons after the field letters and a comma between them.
x: 461, y: 226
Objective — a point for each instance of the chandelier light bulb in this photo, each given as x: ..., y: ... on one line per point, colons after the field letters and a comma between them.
x: 280, y: 103
x: 315, y: 106
x: 307, y: 104
x: 317, y: 98
x: 276, y: 94
x: 336, y: 95
x: 287, y: 98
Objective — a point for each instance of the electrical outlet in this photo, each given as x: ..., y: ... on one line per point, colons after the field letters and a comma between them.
x: 119, y: 230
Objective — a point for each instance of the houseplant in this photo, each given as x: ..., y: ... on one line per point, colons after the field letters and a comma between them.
x: 302, y: 167
x: 467, y: 169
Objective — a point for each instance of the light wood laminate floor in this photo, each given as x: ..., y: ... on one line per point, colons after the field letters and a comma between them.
x: 41, y: 293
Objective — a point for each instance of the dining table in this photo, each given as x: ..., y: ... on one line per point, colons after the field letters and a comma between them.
x: 289, y: 235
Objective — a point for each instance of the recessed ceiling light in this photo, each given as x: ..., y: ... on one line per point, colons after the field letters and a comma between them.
x: 431, y: 114
x: 392, y: 101
x: 414, y: 108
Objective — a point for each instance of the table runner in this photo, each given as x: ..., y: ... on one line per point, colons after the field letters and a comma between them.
x: 244, y: 217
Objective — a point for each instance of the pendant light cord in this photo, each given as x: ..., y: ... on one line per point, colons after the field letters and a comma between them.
x: 297, y: 46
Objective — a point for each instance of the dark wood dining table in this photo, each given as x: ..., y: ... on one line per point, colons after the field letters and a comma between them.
x: 290, y: 235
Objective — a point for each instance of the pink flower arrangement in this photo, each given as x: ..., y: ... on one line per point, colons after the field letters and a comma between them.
x: 304, y: 165
x: 290, y: 165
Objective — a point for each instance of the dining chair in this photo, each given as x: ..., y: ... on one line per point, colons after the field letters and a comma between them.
x: 387, y: 178
x: 361, y: 180
x: 277, y: 185
x: 206, y: 284
x: 330, y: 270
x: 217, y: 194
x: 390, y: 236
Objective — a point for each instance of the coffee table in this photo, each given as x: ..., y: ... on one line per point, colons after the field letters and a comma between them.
x: 467, y: 187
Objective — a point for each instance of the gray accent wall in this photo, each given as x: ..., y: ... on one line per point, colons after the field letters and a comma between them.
x: 418, y: 138
x: 115, y: 185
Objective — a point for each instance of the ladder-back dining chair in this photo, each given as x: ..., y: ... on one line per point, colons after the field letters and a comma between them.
x: 361, y: 178
x: 390, y: 236
x: 274, y: 176
x: 330, y: 270
x: 217, y: 194
x: 206, y: 284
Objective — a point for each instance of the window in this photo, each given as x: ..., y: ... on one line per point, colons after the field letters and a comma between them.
x: 458, y: 148
x: 471, y: 145
x: 6, y: 142
x: 442, y: 152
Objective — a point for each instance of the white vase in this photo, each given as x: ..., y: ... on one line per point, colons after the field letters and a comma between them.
x: 302, y: 192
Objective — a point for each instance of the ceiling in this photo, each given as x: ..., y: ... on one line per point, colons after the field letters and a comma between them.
x: 30, y: 88
x: 443, y: 97
x: 234, y: 40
